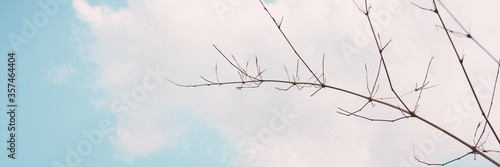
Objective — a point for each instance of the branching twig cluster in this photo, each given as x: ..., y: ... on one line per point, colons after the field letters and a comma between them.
x: 248, y: 80
x: 479, y: 143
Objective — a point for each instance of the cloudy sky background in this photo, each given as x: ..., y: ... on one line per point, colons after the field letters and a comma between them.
x: 90, y: 55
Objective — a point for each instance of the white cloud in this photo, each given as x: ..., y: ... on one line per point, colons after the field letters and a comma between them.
x: 178, y: 35
x: 144, y: 132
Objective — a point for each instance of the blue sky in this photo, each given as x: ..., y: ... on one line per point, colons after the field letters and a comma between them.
x: 55, y: 85
x: 75, y: 71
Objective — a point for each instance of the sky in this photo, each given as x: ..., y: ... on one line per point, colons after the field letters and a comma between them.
x: 92, y: 89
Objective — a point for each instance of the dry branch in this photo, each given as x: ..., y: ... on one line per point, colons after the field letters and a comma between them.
x: 319, y: 82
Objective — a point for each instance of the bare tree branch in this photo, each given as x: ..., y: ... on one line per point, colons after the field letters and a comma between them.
x: 248, y: 80
x: 460, y: 60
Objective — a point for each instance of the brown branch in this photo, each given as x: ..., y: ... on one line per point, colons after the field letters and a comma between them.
x: 460, y: 60
x: 474, y: 149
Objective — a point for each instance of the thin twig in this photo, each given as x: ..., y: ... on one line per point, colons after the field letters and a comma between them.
x: 491, y: 102
x: 439, y: 164
x: 467, y: 32
x: 347, y: 113
x: 289, y: 43
x: 423, y: 85
x: 380, y: 50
